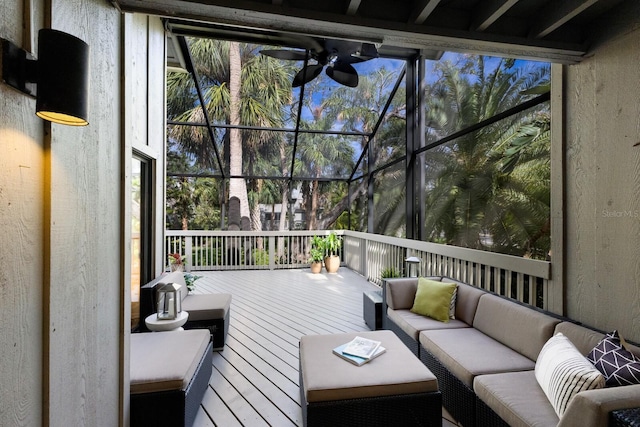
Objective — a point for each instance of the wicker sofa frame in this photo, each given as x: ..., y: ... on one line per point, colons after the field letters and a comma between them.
x: 456, y: 396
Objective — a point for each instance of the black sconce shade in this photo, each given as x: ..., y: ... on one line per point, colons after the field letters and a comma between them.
x: 63, y: 78
x: 61, y: 75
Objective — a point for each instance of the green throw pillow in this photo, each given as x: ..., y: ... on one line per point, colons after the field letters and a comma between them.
x: 433, y: 299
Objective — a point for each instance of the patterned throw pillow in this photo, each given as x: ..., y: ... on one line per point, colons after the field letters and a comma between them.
x: 563, y: 372
x: 618, y: 365
x: 452, y: 304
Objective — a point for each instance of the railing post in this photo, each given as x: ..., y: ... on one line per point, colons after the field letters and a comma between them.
x: 272, y: 252
x: 364, y: 258
x: 188, y: 245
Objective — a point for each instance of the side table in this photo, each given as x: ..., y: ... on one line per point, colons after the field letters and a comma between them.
x: 156, y: 325
x: 372, y: 309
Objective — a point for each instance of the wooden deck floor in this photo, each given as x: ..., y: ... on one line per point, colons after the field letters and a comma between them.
x: 255, y: 379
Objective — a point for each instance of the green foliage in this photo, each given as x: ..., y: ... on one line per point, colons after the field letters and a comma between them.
x: 317, y: 242
x: 260, y: 257
x: 389, y: 273
x: 488, y: 189
x: 317, y: 255
x: 332, y: 243
x: 190, y: 280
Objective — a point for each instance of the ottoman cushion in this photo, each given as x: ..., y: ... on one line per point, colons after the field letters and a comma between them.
x: 206, y: 306
x: 163, y: 361
x: 396, y: 372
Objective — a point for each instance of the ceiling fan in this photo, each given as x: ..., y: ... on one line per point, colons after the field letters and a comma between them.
x: 336, y: 55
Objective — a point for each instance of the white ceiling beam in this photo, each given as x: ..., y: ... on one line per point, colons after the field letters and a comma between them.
x: 557, y: 14
x: 489, y: 12
x: 422, y: 10
x: 352, y: 9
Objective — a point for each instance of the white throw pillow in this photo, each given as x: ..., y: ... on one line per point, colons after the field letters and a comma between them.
x: 563, y: 372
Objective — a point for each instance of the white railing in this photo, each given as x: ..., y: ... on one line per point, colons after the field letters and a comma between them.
x: 242, y: 250
x: 525, y: 280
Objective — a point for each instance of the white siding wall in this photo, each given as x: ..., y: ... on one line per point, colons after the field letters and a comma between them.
x: 603, y: 187
x: 63, y: 307
x: 21, y: 245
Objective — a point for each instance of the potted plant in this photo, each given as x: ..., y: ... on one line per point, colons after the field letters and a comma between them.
x: 332, y: 244
x: 176, y: 262
x: 389, y: 272
x: 316, y: 254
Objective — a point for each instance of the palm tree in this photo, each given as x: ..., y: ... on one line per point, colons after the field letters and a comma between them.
x: 472, y: 198
x: 358, y: 110
x: 241, y: 88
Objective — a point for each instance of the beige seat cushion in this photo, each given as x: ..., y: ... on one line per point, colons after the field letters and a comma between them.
x: 467, y: 353
x: 327, y: 377
x: 163, y: 361
x: 517, y: 398
x: 413, y: 323
x: 207, y: 306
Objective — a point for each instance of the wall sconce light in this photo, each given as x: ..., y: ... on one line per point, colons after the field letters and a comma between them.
x: 59, y: 79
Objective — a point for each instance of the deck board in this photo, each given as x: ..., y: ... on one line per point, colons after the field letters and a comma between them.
x: 255, y: 379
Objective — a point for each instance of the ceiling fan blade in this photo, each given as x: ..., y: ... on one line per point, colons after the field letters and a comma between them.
x: 344, y: 74
x: 294, y: 55
x: 307, y: 74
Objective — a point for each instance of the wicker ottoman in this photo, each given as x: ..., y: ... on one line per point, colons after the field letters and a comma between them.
x: 393, y: 389
x: 170, y: 374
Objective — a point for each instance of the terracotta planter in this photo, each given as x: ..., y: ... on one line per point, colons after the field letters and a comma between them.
x: 332, y: 263
x: 316, y: 267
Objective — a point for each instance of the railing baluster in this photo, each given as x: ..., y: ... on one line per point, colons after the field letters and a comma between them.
x: 368, y: 254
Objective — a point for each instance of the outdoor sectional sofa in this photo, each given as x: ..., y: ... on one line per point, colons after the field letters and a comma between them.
x: 485, y: 358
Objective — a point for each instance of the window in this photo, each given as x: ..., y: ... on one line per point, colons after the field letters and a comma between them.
x: 141, y: 226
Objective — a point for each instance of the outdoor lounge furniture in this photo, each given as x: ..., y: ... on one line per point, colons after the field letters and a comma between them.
x: 169, y: 374
x: 210, y: 311
x: 485, y: 359
x: 393, y: 389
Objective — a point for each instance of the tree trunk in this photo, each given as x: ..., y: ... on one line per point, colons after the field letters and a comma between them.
x: 285, y: 188
x: 331, y: 216
x: 313, y: 206
x: 284, y: 208
x: 237, y: 186
x: 256, y: 221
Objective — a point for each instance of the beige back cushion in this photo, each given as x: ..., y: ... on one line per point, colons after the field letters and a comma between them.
x: 522, y: 329
x: 583, y: 338
x: 401, y: 292
x: 586, y: 339
x: 467, y: 302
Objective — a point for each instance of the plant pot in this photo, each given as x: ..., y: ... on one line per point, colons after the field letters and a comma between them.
x: 316, y: 267
x: 332, y: 263
x: 176, y: 267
